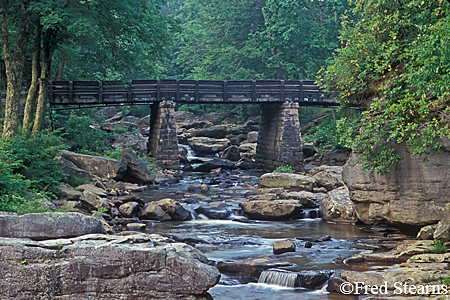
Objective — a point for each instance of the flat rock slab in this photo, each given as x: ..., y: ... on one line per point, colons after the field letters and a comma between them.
x: 97, y: 266
x: 41, y: 226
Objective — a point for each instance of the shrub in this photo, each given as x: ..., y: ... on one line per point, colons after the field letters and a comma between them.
x: 284, y: 169
x: 437, y: 247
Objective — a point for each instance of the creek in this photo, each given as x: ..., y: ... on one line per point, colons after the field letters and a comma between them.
x: 232, y: 239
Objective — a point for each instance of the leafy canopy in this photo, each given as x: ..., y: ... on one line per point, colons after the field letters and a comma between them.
x: 394, y: 65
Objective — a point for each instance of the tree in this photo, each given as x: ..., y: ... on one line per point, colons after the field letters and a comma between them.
x: 13, y: 13
x: 394, y: 65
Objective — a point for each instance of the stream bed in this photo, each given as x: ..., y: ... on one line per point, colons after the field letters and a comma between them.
x: 233, y: 240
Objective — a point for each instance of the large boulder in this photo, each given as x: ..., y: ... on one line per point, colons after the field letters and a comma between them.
x: 287, y: 181
x: 103, y: 167
x: 206, y: 145
x: 231, y: 153
x: 97, y: 266
x: 274, y: 210
x: 133, y: 140
x: 174, y: 209
x: 41, y: 226
x: 136, y: 171
x: 414, y: 192
x: 337, y: 207
x: 217, y: 132
x: 329, y: 177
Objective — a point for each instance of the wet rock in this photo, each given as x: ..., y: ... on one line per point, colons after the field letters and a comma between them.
x: 231, y: 153
x: 41, y: 226
x: 214, y: 210
x: 132, y: 140
x: 287, y: 181
x: 251, y: 267
x: 152, y: 211
x: 74, y: 269
x: 276, y: 191
x: 174, y: 209
x: 427, y: 232
x: 280, y: 247
x: 129, y: 209
x: 308, y: 245
x: 119, y: 200
x: 265, y: 197
x: 272, y: 210
x: 101, y: 166
x: 246, y: 163
x: 337, y: 207
x: 249, y: 148
x: 136, y: 170
x: 136, y: 226
x: 199, y: 188
x: 214, y: 163
x: 247, y: 184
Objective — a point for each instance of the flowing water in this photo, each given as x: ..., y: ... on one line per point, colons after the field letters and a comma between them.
x: 230, y: 240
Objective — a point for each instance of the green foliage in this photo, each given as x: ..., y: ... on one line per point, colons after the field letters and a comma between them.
x: 82, y: 134
x: 28, y: 173
x: 394, y: 65
x: 284, y: 169
x: 113, y: 153
x: 97, y: 214
x: 437, y: 247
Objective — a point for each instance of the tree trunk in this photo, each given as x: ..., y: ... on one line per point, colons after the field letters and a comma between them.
x: 44, y: 80
x: 62, y: 65
x: 14, y: 67
x: 30, y: 105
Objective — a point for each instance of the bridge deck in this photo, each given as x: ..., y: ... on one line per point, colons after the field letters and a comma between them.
x: 98, y: 93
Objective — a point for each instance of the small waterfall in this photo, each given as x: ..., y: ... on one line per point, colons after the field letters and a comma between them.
x: 312, y: 213
x: 279, y: 277
x: 190, y: 153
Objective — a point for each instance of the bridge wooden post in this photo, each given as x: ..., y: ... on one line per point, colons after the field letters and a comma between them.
x: 162, y: 142
x: 279, y: 138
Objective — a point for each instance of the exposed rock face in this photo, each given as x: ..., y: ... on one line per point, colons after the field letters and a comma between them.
x: 101, y: 166
x: 442, y: 231
x: 427, y: 232
x: 337, y: 207
x: 329, y: 177
x: 414, y: 192
x: 287, y: 181
x: 48, y: 226
x: 133, y: 140
x: 152, y: 211
x: 231, y: 153
x: 174, y: 209
x: 137, y: 266
x: 217, y: 132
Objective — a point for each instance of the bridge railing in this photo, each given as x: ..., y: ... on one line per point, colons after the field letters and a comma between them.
x: 192, y: 91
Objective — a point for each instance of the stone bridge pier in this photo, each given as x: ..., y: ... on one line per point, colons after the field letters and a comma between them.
x: 279, y: 139
x: 162, y: 141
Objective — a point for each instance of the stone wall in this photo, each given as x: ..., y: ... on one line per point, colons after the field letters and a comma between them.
x: 279, y: 140
x: 414, y: 192
x: 162, y: 142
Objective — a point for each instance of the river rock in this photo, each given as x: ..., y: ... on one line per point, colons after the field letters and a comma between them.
x: 129, y: 209
x: 414, y: 192
x: 205, y: 145
x: 216, y: 132
x: 152, y: 211
x: 91, y: 201
x: 135, y: 266
x: 252, y: 136
x: 199, y: 189
x: 231, y: 153
x: 214, y: 163
x: 136, y: 171
x: 287, y: 181
x: 337, y: 207
x: 217, y: 211
x: 251, y: 267
x: 40, y: 226
x: 248, y: 148
x: 329, y: 177
x: 277, y: 191
x: 309, y: 149
x: 103, y: 167
x: 280, y: 247
x: 174, y: 209
x: 133, y: 140
x: 272, y: 210
x: 68, y: 192
x: 93, y: 189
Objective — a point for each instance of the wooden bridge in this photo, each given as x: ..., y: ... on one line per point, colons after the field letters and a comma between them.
x: 103, y: 93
